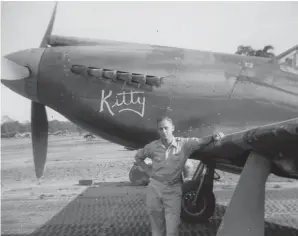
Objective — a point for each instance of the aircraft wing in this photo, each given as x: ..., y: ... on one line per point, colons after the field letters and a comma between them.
x: 278, y: 142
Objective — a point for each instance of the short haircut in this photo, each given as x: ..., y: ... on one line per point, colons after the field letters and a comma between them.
x: 163, y: 118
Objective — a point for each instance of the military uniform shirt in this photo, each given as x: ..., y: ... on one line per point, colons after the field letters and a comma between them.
x: 168, y: 163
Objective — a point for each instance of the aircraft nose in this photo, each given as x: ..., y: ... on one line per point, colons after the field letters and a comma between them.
x: 20, y: 72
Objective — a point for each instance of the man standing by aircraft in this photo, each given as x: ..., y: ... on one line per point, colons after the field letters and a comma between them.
x: 169, y: 155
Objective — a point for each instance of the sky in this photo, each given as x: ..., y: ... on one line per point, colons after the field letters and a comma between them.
x: 214, y: 26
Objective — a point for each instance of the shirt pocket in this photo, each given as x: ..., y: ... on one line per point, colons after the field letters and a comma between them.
x: 178, y: 152
x: 177, y: 156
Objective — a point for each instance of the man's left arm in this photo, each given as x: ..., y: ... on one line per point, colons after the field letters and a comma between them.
x: 193, y: 144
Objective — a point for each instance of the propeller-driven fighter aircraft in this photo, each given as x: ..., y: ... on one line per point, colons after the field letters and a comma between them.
x: 116, y: 90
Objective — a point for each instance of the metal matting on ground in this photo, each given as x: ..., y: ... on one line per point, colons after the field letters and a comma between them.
x: 114, y: 209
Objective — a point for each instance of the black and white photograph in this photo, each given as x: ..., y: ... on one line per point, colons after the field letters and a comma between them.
x: 149, y: 118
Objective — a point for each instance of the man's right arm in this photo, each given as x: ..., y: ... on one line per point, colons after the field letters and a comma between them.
x: 140, y: 157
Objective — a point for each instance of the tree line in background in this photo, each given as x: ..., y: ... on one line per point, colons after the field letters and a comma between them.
x: 249, y: 51
x: 54, y: 126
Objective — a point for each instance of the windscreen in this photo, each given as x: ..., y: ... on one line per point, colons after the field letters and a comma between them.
x: 289, y: 63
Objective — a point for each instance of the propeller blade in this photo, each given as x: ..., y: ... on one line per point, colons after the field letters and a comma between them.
x: 13, y: 71
x: 44, y: 42
x: 39, y: 131
x: 39, y: 120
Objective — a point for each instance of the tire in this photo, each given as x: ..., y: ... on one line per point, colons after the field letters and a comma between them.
x: 200, y: 212
x: 138, y: 177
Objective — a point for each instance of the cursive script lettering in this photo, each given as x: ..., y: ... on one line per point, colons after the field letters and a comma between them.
x: 126, y: 101
x: 105, y: 102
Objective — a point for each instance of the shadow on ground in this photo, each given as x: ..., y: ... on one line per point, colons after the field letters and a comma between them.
x: 113, y: 209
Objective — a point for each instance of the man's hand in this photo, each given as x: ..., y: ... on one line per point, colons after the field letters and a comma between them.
x: 147, y: 168
x: 218, y: 136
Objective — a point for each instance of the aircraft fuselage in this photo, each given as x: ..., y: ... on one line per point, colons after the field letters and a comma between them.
x: 117, y: 91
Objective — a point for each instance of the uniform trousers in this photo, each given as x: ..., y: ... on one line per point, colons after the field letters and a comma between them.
x: 164, y: 206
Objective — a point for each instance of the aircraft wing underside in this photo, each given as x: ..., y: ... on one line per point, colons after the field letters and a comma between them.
x: 278, y: 142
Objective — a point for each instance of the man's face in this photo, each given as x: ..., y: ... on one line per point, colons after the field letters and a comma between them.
x: 165, y: 129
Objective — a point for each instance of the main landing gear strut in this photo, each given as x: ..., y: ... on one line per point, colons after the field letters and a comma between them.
x: 245, y: 214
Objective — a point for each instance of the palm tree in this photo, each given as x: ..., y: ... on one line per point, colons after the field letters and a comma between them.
x: 264, y: 52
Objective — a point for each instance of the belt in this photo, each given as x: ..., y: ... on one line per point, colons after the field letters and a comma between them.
x: 167, y: 182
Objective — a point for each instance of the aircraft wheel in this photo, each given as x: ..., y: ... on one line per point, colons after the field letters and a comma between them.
x: 204, y: 207
x: 138, y: 177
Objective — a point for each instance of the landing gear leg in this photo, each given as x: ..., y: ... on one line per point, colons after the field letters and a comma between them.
x: 198, y: 200
x: 245, y: 213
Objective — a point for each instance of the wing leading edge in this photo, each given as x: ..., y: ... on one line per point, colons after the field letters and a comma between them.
x: 277, y: 142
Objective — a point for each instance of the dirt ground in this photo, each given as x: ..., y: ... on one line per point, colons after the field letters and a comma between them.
x: 25, y: 205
